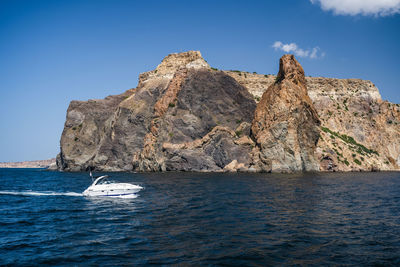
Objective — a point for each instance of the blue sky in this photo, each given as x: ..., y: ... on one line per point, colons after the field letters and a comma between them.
x: 52, y: 52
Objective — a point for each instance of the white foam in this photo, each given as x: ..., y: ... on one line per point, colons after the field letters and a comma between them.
x: 126, y: 196
x: 33, y: 193
x: 70, y: 194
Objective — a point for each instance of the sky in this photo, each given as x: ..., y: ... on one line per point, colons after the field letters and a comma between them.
x: 52, y: 52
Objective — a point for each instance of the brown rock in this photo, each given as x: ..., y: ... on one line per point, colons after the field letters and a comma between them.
x: 196, y: 118
x: 234, y: 166
x: 186, y: 116
x: 349, y: 107
x: 286, y: 125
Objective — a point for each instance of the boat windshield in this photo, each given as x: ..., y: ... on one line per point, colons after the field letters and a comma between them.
x: 102, y: 180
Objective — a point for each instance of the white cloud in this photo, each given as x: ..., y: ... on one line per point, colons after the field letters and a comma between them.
x: 299, y: 52
x: 360, y: 7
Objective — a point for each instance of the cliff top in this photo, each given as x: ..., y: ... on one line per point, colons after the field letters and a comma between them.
x: 290, y: 69
x: 173, y: 62
x: 258, y: 83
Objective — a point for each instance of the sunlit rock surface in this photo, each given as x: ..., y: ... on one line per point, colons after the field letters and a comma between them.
x: 186, y: 116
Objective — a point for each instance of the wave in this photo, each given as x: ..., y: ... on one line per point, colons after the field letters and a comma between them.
x: 45, y: 193
x: 126, y: 196
x: 70, y: 194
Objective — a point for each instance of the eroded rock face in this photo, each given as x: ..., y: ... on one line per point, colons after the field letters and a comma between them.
x: 194, y: 124
x: 286, y: 124
x: 351, y: 109
x: 186, y: 116
x: 150, y: 128
x: 86, y: 126
x: 185, y: 60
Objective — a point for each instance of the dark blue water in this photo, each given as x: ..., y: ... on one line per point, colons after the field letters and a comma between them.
x: 202, y: 219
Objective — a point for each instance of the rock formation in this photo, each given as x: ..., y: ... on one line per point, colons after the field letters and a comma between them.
x: 355, y: 122
x: 286, y: 125
x: 194, y: 123
x: 182, y: 116
x: 186, y: 116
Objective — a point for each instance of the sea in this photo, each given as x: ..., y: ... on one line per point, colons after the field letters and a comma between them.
x: 197, y: 219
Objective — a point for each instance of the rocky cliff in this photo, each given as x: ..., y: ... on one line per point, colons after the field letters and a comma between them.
x: 286, y: 124
x: 186, y: 116
x: 359, y: 131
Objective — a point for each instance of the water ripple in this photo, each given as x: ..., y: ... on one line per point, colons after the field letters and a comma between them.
x: 201, y: 219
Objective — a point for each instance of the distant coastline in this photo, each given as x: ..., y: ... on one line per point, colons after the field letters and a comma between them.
x: 29, y: 164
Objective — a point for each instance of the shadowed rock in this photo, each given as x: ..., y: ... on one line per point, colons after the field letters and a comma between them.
x: 204, y: 108
x: 182, y: 101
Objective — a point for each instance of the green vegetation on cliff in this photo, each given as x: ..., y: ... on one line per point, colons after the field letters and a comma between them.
x: 361, y: 149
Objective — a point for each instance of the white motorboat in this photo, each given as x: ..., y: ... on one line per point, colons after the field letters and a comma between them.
x: 102, y: 187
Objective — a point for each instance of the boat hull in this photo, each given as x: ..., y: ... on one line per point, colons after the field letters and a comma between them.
x: 112, y: 190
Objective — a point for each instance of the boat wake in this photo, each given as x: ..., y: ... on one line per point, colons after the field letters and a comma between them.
x: 101, y: 187
x: 69, y: 194
x: 45, y: 193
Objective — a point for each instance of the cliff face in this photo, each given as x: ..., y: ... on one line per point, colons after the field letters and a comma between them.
x: 359, y: 131
x: 286, y: 125
x: 86, y: 128
x: 182, y: 116
x: 186, y: 116
x: 194, y: 123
